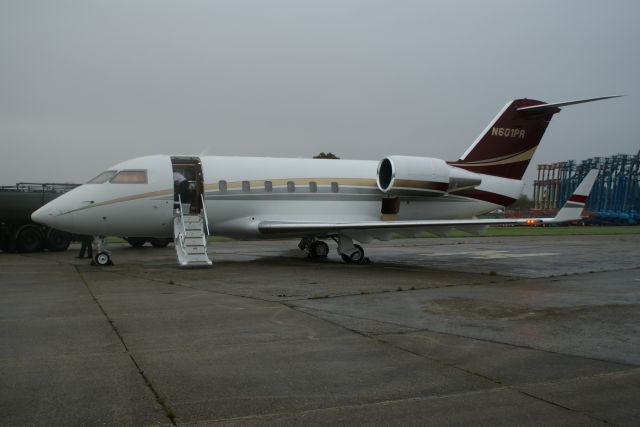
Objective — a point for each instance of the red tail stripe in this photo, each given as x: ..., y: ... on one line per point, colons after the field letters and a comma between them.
x: 578, y: 198
x: 486, y: 196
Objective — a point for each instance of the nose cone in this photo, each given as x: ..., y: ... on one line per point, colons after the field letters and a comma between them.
x: 54, y: 215
x: 41, y: 215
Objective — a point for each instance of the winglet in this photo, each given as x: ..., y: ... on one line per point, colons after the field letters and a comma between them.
x: 573, y: 207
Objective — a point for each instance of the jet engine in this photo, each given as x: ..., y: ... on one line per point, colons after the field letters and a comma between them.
x: 422, y: 176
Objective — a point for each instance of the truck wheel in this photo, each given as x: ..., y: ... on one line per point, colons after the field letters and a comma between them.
x: 8, y: 246
x: 29, y: 239
x: 136, y: 242
x: 58, y: 241
x: 160, y: 243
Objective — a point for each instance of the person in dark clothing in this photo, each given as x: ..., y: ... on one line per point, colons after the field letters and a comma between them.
x: 181, y: 187
x: 86, y: 246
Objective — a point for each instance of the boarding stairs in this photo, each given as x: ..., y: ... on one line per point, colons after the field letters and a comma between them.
x: 191, y: 232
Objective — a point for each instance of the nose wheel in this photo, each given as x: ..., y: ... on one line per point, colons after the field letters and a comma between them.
x: 102, y: 258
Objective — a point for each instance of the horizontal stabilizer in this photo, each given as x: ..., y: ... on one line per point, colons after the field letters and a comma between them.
x: 553, y: 106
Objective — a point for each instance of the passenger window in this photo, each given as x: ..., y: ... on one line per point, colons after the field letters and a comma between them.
x: 246, y: 186
x: 268, y: 186
x: 130, y: 177
x: 313, y: 187
x: 222, y: 186
x: 103, y: 177
x: 291, y: 186
x: 334, y: 187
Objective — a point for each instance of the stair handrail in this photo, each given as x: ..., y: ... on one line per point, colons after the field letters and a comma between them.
x: 206, y: 217
x: 184, y: 229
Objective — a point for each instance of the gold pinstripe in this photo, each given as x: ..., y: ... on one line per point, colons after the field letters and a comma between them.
x: 520, y: 157
x: 357, y: 182
x: 126, y: 199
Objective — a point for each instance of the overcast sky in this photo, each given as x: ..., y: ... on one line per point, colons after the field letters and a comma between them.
x: 87, y: 84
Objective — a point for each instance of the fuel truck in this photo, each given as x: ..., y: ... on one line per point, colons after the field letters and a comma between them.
x: 17, y: 232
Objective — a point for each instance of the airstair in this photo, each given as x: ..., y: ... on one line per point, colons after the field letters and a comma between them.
x: 190, y: 233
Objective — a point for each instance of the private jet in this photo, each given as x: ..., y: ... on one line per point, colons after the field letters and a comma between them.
x: 352, y: 202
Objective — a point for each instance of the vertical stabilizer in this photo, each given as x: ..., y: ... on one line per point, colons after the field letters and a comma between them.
x: 507, y: 145
x: 573, y: 207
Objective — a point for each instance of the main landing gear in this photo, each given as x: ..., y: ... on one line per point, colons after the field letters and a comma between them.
x: 356, y: 257
x: 316, y: 249
x: 349, y: 252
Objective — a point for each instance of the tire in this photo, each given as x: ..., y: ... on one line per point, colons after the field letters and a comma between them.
x: 319, y: 249
x: 136, y: 242
x: 102, y: 258
x: 160, y: 243
x: 357, y: 257
x: 7, y: 243
x: 58, y: 241
x: 29, y: 239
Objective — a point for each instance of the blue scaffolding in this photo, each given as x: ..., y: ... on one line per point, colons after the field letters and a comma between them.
x: 615, y: 198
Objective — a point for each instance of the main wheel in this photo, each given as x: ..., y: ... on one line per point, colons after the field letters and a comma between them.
x: 102, y: 258
x: 136, y: 242
x: 357, y: 257
x: 29, y: 239
x: 319, y: 249
x: 58, y: 241
x: 160, y: 243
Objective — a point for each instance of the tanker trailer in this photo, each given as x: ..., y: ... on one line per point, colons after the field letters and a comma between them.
x: 17, y: 232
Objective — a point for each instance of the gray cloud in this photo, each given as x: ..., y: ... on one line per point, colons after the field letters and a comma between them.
x: 86, y: 84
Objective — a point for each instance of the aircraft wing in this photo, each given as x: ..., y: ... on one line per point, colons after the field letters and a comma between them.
x: 381, y: 230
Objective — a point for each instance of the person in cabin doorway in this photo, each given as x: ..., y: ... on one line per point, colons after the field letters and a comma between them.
x: 181, y: 188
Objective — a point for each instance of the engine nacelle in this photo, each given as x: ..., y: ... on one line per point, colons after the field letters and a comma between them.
x: 422, y: 176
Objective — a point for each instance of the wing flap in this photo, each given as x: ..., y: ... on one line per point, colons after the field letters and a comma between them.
x: 303, y: 227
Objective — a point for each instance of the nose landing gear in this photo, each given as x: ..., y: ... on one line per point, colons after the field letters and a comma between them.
x: 102, y: 255
x: 102, y: 258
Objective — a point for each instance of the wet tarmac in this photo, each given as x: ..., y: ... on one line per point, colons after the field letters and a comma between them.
x: 482, y: 331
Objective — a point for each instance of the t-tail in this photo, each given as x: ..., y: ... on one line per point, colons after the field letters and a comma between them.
x: 507, y: 145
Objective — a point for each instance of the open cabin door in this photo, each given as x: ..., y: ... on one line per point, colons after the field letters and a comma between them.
x: 188, y: 183
x: 190, y: 224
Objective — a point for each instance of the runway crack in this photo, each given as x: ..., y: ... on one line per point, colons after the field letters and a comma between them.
x: 496, y: 381
x: 168, y: 411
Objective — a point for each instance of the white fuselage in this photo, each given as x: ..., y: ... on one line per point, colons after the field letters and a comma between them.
x: 300, y: 190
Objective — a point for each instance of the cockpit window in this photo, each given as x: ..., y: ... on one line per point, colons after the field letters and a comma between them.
x: 102, y: 178
x: 130, y: 177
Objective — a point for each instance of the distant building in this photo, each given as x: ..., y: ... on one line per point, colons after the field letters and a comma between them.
x: 615, y: 197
